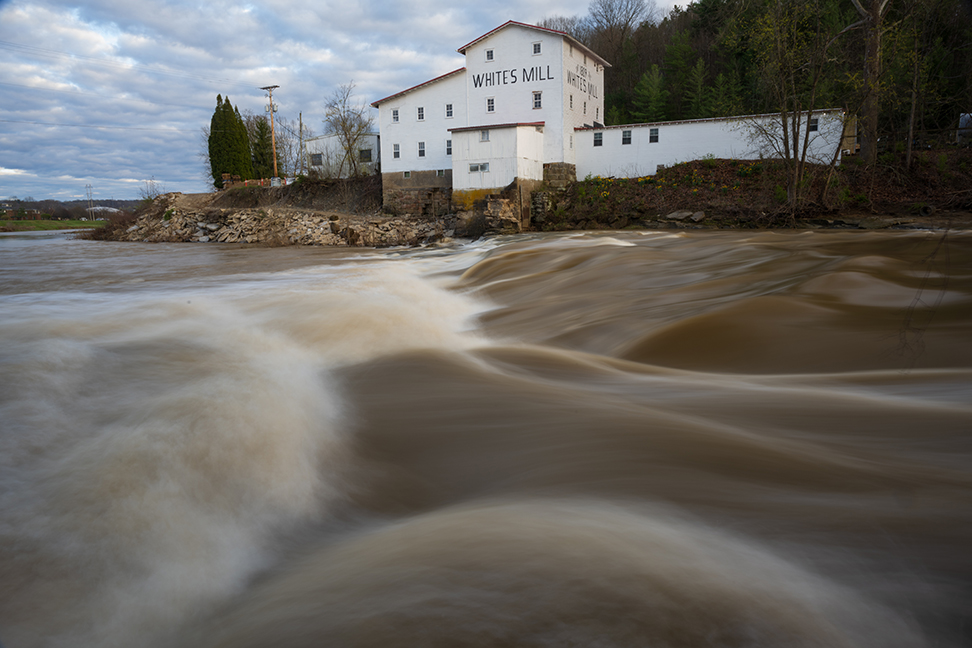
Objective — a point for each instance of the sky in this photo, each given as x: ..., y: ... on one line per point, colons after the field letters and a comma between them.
x: 113, y: 95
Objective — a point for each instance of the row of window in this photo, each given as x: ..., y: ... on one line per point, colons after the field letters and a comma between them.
x: 626, y: 137
x: 475, y: 167
x: 420, y: 113
x: 317, y: 159
x: 397, y: 148
x: 490, y: 54
x: 490, y: 107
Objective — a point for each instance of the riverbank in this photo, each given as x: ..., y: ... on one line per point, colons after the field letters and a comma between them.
x: 702, y: 194
x: 47, y: 225
x: 752, y: 194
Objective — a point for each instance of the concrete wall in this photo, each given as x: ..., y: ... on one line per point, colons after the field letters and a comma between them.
x: 736, y: 137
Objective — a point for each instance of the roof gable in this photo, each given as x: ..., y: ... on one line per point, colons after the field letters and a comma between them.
x: 512, y: 23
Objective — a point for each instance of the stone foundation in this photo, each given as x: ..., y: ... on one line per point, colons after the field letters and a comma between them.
x: 423, y: 194
x: 557, y: 175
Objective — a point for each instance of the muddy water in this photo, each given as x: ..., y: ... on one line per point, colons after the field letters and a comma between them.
x: 637, y: 439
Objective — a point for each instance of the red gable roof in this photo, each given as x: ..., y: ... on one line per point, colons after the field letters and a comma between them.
x: 511, y: 23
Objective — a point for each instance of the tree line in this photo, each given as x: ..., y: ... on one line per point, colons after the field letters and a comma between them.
x: 903, y: 67
x: 242, y: 144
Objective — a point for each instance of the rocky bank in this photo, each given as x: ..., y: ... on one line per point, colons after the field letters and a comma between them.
x: 177, y: 217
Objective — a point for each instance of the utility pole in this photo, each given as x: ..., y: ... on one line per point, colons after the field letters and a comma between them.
x: 273, y: 136
x: 300, y: 118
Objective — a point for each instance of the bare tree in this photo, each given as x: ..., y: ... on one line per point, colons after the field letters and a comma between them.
x: 290, y: 139
x: 616, y: 20
x: 575, y: 26
x: 349, y: 121
x: 872, y: 15
x: 792, y: 43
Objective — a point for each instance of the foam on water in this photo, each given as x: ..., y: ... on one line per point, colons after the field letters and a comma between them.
x: 153, y: 444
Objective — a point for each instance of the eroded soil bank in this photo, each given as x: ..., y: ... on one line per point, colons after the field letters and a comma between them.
x: 703, y: 194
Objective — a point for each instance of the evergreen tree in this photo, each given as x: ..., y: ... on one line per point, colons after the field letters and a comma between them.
x: 697, y: 93
x: 229, y: 147
x: 217, y: 143
x: 243, y: 158
x: 725, y: 99
x: 651, y: 97
x: 262, y: 147
x: 679, y: 59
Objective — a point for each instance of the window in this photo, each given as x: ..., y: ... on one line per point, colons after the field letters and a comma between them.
x: 448, y: 111
x: 421, y: 149
x: 407, y: 174
x: 571, y: 102
x: 489, y: 55
x: 537, y: 101
x: 597, y: 113
x: 440, y: 173
x: 396, y: 151
x: 449, y: 147
x: 625, y: 137
x: 364, y: 155
x: 585, y: 107
x: 652, y: 135
x: 484, y: 136
x: 481, y: 167
x: 317, y: 159
x: 536, y: 48
x: 420, y: 113
x: 395, y: 115
x: 571, y: 141
x: 813, y: 124
x: 598, y: 139
x: 490, y: 104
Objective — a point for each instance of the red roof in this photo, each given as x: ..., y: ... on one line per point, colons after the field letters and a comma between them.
x: 510, y: 23
x: 416, y: 87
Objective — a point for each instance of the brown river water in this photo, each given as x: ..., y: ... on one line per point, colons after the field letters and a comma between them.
x: 626, y: 439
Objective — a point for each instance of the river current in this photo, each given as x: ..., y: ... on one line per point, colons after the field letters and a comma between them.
x: 588, y: 439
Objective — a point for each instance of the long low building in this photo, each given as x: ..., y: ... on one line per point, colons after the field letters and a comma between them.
x: 527, y: 108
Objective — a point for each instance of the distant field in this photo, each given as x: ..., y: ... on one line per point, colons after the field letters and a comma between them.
x: 34, y: 225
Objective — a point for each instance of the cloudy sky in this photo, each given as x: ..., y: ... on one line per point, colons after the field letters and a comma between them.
x: 115, y: 93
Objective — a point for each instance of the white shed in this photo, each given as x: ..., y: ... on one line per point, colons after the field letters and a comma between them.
x: 327, y: 157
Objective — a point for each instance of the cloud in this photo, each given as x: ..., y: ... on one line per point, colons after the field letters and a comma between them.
x: 113, y: 90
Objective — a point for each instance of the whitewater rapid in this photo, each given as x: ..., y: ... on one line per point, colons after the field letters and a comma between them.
x: 657, y: 439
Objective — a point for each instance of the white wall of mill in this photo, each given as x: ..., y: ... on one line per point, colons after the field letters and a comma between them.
x: 582, y: 96
x: 433, y: 130
x: 734, y: 138
x: 505, y: 79
x: 511, y: 151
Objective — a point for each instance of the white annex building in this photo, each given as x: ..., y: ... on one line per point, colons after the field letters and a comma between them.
x: 528, y: 107
x: 327, y: 156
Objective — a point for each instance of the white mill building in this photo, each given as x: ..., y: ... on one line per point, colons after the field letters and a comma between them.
x: 528, y: 107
